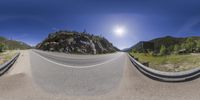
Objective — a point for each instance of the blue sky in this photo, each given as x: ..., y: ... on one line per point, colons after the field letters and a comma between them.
x: 32, y: 20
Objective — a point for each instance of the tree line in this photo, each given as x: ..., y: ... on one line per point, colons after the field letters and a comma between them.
x: 189, y: 46
x: 172, y: 46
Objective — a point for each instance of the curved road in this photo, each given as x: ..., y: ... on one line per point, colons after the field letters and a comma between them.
x: 41, y: 75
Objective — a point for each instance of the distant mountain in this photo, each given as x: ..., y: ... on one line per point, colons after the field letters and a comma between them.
x: 76, y: 43
x: 167, y: 41
x: 126, y: 49
x: 13, y: 44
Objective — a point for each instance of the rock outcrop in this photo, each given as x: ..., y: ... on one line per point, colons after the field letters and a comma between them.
x: 76, y: 43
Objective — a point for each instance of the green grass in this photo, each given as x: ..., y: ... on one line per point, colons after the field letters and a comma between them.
x: 5, y: 56
x: 170, y: 63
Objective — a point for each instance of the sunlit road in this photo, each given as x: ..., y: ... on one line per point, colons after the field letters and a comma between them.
x: 56, y: 76
x: 77, y: 75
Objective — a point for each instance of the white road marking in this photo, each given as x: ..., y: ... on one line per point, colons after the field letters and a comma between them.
x: 75, y: 55
x: 76, y: 66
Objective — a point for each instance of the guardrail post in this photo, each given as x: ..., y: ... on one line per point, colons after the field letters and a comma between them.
x: 136, y: 59
x: 146, y: 64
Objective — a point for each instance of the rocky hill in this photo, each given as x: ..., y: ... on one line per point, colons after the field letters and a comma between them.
x: 76, y: 43
x: 13, y: 44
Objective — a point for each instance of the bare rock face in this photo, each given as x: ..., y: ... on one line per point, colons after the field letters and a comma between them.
x: 76, y: 43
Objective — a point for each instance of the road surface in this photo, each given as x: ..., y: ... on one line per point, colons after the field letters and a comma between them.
x: 57, y: 76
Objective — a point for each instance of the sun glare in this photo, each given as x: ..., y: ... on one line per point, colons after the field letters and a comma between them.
x: 119, y: 31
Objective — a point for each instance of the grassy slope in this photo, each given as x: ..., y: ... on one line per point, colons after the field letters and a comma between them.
x: 171, y: 62
x: 5, y: 56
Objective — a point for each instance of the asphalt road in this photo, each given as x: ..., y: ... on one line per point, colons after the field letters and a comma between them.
x: 57, y: 76
x: 77, y: 75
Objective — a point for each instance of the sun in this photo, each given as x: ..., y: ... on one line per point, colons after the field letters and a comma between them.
x: 119, y: 31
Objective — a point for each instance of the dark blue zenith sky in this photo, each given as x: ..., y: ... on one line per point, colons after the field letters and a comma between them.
x: 32, y: 20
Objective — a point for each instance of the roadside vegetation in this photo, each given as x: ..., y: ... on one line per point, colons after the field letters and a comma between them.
x: 8, y: 48
x: 169, y: 63
x: 2, y: 47
x: 173, y: 58
x: 5, y: 54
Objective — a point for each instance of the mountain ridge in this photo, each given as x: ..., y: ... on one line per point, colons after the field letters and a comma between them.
x: 14, y: 44
x: 167, y: 41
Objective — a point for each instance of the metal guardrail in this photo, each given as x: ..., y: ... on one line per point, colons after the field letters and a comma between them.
x: 166, y: 76
x: 7, y: 65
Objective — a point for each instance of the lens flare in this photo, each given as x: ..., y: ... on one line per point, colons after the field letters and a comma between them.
x: 119, y: 31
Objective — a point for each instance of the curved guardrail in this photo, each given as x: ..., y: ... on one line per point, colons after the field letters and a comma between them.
x: 7, y: 65
x: 166, y: 76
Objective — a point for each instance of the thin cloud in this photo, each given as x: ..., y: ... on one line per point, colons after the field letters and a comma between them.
x: 187, y: 27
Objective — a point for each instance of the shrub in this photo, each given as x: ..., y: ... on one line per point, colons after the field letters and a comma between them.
x: 176, y: 49
x: 2, y: 47
x: 190, y: 45
x: 198, y: 45
x: 163, y: 50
